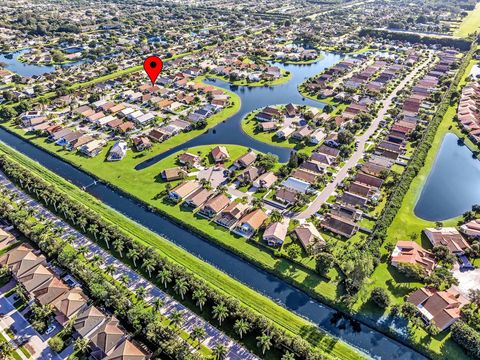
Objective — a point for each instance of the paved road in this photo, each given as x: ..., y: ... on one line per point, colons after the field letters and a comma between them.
x: 214, y: 336
x: 359, y: 152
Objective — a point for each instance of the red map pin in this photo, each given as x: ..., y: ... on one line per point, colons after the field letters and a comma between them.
x: 153, y: 66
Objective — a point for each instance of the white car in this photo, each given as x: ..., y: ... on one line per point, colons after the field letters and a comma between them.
x: 50, y: 329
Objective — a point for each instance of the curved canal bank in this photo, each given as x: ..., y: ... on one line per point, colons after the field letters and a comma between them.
x: 366, y: 339
x: 252, y: 98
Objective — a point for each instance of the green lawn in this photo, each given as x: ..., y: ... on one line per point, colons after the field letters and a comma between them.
x: 214, y: 277
x: 470, y: 24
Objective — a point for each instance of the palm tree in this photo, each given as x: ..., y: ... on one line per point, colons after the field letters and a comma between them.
x: 176, y: 318
x: 82, y: 250
x: 198, y: 334
x: 220, y: 351
x: 6, y: 349
x: 68, y: 327
x: 241, y: 327
x: 201, y: 298
x: 264, y: 342
x: 181, y: 287
x: 276, y: 216
x: 110, y: 269
x: 220, y: 312
x: 93, y: 229
x: 149, y: 265
x: 81, y: 345
x: 288, y: 356
x: 124, y: 279
x: 133, y: 254
x: 96, y: 259
x: 157, y: 304
x: 106, y: 237
x: 141, y: 292
x: 118, y: 246
x: 165, y: 277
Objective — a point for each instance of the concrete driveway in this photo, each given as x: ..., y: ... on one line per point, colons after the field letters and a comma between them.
x: 24, y: 330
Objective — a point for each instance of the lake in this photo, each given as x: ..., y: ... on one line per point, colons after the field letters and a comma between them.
x: 453, y: 185
x: 28, y: 70
x: 253, y: 98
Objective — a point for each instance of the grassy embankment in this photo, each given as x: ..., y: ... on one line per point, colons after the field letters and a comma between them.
x: 470, y: 24
x: 216, y: 278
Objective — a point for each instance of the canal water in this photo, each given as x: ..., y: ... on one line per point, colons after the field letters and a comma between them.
x: 452, y: 186
x: 252, y: 98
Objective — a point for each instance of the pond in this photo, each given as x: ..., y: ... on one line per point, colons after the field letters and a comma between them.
x: 28, y: 70
x: 252, y: 98
x: 452, y: 186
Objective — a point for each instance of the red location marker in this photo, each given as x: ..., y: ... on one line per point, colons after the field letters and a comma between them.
x: 153, y: 66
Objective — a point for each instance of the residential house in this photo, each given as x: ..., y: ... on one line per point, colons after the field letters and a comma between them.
x: 471, y: 228
x: 449, y: 237
x: 172, y: 174
x: 309, y: 237
x: 339, y: 225
x: 442, y: 308
x: 182, y: 190
x: 141, y: 143
x: 409, y: 252
x: 189, y: 159
x: 231, y: 214
x: 265, y: 181
x: 198, y: 198
x: 214, y: 205
x: 246, y: 160
x: 250, y: 223
x: 276, y: 232
x: 118, y: 151
x: 220, y: 154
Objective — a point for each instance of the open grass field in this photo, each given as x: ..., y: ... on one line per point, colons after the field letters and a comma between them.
x: 470, y: 24
x: 216, y: 278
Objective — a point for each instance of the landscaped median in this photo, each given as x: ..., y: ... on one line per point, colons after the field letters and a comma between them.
x: 292, y: 323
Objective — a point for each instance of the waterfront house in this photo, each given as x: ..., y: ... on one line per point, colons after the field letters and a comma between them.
x: 449, y: 237
x: 219, y: 154
x: 250, y: 223
x: 214, y: 205
x: 118, y: 151
x: 172, y: 174
x: 309, y: 237
x: 198, y: 198
x: 471, y: 228
x: 409, y: 252
x: 442, y: 308
x: 189, y: 159
x: 231, y: 214
x: 246, y: 160
x: 92, y: 148
x: 182, y: 190
x: 276, y: 232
